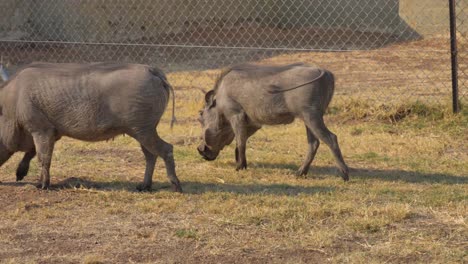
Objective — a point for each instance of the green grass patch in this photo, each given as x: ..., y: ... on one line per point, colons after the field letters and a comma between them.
x: 187, y: 233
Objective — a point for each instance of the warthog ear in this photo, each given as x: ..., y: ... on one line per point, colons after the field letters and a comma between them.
x: 210, y: 99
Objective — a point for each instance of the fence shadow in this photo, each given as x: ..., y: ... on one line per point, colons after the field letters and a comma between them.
x: 274, y: 189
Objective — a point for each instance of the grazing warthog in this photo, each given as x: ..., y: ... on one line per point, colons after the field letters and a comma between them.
x: 92, y: 102
x: 245, y: 97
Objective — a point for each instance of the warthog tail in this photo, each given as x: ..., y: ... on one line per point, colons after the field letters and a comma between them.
x: 276, y: 89
x: 158, y: 73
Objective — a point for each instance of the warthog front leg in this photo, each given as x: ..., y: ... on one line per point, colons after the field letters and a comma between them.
x: 239, y: 126
x: 4, y: 156
x: 157, y: 147
x: 314, y: 121
x: 250, y: 131
x: 23, y: 166
x: 313, y: 146
x: 44, y: 142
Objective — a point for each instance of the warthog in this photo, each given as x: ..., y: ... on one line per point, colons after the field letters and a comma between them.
x: 245, y: 97
x: 92, y: 102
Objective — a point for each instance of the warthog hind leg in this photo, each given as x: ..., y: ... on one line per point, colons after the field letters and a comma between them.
x: 314, y: 121
x: 313, y: 146
x: 44, y: 142
x: 149, y: 170
x: 152, y: 143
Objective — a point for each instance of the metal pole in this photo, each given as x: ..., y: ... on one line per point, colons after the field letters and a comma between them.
x: 3, y: 73
x: 454, y: 55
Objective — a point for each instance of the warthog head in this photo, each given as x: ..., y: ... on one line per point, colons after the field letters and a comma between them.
x: 216, y: 130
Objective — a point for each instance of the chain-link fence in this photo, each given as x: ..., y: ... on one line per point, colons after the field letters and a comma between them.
x: 462, y: 34
x: 380, y: 50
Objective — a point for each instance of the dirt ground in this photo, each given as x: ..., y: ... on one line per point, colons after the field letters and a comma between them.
x: 406, y: 201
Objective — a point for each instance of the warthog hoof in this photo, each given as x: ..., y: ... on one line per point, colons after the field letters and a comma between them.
x: 143, y: 188
x: 345, y: 174
x: 241, y: 167
x: 176, y: 187
x: 20, y: 176
x: 21, y: 172
x: 302, y: 172
x: 345, y: 178
x: 42, y: 186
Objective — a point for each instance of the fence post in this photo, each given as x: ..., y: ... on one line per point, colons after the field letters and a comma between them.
x: 454, y: 55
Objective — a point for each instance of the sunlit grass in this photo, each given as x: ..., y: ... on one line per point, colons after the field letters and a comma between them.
x: 406, y: 200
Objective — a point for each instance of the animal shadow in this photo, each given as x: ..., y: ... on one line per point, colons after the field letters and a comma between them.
x: 189, y: 187
x: 374, y: 174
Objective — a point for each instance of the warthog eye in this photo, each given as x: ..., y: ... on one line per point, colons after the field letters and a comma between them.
x: 200, y: 118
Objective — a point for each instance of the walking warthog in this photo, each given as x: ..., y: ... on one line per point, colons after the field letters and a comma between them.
x: 92, y: 102
x: 245, y: 97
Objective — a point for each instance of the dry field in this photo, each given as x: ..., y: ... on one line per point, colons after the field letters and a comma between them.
x: 406, y: 201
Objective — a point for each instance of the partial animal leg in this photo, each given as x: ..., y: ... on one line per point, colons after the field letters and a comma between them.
x: 149, y: 170
x: 239, y: 126
x: 250, y: 131
x: 23, y: 166
x: 314, y: 121
x: 5, y: 156
x: 158, y: 147
x: 44, y: 142
x: 313, y: 146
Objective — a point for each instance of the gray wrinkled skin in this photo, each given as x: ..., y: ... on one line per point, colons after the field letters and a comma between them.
x: 246, y: 97
x: 92, y: 102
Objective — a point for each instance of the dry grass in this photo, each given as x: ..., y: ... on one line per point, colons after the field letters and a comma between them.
x: 406, y: 200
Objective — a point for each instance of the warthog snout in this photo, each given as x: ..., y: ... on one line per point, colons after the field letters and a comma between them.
x: 206, y: 153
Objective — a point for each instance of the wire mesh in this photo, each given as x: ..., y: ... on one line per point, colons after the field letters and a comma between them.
x: 462, y: 38
x: 380, y: 50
